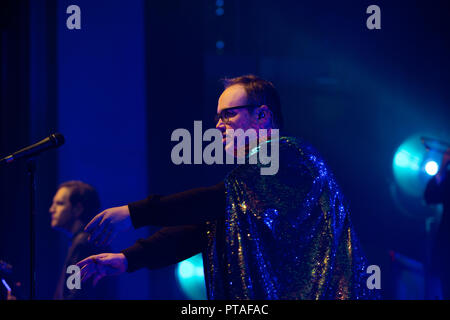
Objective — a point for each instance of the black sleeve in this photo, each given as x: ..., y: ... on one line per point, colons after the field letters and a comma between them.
x: 434, y: 192
x: 189, y: 207
x: 167, y: 246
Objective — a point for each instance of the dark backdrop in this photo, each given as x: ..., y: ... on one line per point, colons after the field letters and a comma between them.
x: 355, y: 94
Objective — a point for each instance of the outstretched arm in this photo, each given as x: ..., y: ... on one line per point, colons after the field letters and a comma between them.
x: 189, y: 207
x: 165, y: 247
x: 101, y: 265
x: 194, y: 206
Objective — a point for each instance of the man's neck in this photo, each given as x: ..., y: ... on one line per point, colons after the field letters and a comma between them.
x: 77, y: 226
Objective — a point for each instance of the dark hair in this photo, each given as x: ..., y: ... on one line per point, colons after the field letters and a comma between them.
x: 85, y: 194
x: 259, y: 92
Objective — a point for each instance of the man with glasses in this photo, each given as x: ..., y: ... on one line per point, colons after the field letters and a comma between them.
x: 281, y: 236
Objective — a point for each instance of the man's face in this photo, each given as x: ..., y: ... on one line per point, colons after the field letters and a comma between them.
x: 61, y: 210
x: 234, y: 96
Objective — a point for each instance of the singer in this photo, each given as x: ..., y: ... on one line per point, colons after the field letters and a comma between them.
x: 282, y: 236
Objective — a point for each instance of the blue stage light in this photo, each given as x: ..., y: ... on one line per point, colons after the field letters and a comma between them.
x: 408, y: 166
x: 413, y: 165
x: 220, y: 11
x: 220, y: 44
x: 191, y: 278
x: 431, y: 167
x: 405, y: 159
x: 186, y: 269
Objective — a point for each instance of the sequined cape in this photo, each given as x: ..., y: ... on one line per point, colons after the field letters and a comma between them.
x: 285, y: 236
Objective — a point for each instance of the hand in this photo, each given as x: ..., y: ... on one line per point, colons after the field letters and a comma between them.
x: 107, y: 224
x: 9, y: 296
x: 101, y: 265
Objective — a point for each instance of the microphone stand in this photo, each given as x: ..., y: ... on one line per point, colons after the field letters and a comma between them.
x: 31, y: 171
x: 55, y: 140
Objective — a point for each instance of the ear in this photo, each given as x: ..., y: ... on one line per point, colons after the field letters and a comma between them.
x: 78, y: 210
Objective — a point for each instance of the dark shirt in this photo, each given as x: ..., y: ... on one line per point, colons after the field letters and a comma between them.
x: 440, y: 193
x: 81, y: 248
x: 434, y: 194
x: 183, y: 217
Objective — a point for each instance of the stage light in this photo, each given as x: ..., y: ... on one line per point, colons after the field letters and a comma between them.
x: 409, y: 166
x: 431, y: 167
x: 191, y: 278
x: 220, y: 44
x: 413, y: 165
x: 186, y: 269
x: 404, y: 159
x: 220, y: 11
x: 199, y: 271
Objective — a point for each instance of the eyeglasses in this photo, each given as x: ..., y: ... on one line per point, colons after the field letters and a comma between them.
x: 228, y: 113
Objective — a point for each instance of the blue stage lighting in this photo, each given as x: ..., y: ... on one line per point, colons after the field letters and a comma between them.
x: 186, y: 269
x: 220, y: 11
x: 413, y: 164
x: 431, y: 167
x: 220, y: 44
x: 191, y: 277
x: 410, y: 166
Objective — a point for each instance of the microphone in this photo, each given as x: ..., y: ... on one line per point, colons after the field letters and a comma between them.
x: 55, y: 140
